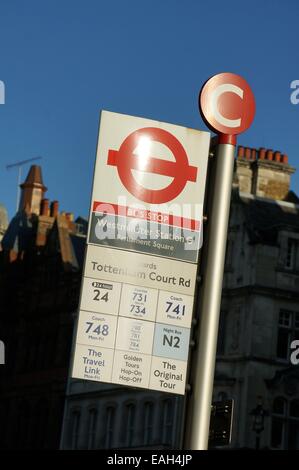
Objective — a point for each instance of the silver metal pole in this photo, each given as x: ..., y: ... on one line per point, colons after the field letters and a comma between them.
x: 198, y: 420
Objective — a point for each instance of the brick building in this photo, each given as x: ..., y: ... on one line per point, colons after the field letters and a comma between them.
x: 40, y: 271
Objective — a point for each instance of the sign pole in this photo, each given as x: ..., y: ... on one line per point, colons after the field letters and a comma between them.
x: 205, y: 354
x: 227, y: 117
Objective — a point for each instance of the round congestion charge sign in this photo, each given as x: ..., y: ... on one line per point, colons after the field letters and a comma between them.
x: 227, y: 104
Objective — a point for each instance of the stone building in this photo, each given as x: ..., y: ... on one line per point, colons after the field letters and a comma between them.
x: 40, y: 272
x: 259, y: 319
x: 3, y: 222
x: 260, y: 303
x: 105, y: 416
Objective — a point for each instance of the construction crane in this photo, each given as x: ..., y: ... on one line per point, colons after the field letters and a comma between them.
x: 19, y: 166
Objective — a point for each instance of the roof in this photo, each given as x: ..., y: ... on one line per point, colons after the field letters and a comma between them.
x: 19, y: 235
x: 67, y: 243
x: 34, y: 177
x: 265, y: 218
x: 55, y: 235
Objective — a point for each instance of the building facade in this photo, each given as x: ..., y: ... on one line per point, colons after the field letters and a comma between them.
x: 105, y: 416
x: 260, y: 304
x: 40, y: 272
x: 259, y: 319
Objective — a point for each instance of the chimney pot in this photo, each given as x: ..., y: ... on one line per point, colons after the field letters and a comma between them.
x: 44, y: 207
x: 269, y: 155
x: 247, y: 153
x: 262, y: 154
x: 54, y: 208
x: 240, y: 152
x: 253, y: 154
x: 284, y: 159
x: 277, y: 157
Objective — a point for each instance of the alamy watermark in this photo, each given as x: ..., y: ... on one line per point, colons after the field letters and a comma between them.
x: 294, y: 357
x: 179, y: 223
x: 2, y: 92
x: 2, y: 353
x: 295, y: 94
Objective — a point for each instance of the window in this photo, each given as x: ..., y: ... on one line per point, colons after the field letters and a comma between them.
x: 167, y: 417
x: 130, y: 424
x: 285, y: 424
x: 81, y: 229
x: 292, y: 258
x: 288, y: 330
x: 92, y: 427
x: 148, y: 423
x: 109, y: 427
x: 75, y: 420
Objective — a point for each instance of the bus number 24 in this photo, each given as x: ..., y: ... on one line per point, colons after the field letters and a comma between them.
x: 98, y: 295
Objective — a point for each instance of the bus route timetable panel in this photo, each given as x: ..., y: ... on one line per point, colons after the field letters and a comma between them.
x: 134, y: 321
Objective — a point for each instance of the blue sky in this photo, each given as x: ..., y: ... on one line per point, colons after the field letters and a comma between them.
x: 63, y: 61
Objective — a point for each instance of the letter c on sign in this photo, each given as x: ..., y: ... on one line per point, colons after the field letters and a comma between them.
x: 227, y: 116
x: 226, y: 87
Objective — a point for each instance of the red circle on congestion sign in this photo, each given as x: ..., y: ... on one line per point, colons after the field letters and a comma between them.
x: 125, y: 161
x: 227, y: 104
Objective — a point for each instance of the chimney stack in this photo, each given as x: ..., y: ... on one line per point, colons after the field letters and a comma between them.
x: 243, y: 169
x: 264, y: 173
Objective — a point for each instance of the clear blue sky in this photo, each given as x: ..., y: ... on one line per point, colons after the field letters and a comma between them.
x: 62, y: 61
